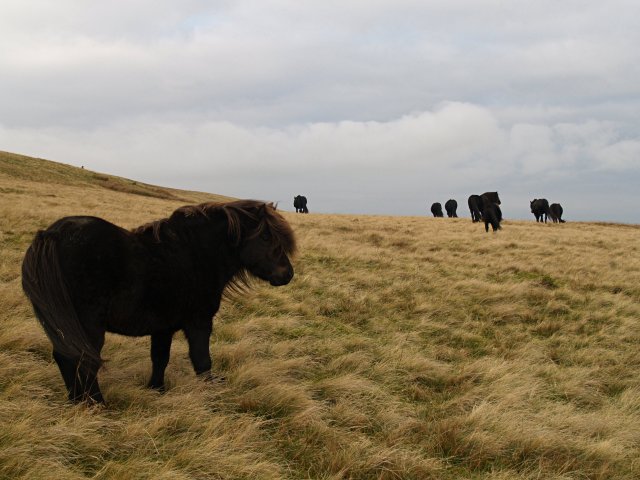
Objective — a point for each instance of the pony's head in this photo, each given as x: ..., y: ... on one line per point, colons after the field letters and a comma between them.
x: 264, y: 240
x: 493, y: 197
x: 260, y: 239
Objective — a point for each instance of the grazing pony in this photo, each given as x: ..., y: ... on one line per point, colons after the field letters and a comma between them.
x: 451, y: 206
x: 86, y: 276
x: 540, y: 208
x: 436, y: 209
x: 475, y: 207
x: 491, y: 212
x: 300, y: 204
x: 555, y: 212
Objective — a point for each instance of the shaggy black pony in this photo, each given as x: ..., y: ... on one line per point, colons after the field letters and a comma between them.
x: 451, y: 206
x: 540, y: 209
x: 300, y: 204
x: 86, y: 276
x: 491, y: 213
x: 555, y: 212
x: 436, y: 209
x: 475, y: 207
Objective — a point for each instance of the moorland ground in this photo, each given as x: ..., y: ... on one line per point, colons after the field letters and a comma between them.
x: 405, y: 347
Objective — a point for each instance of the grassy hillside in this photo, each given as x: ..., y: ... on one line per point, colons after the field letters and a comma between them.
x: 405, y: 347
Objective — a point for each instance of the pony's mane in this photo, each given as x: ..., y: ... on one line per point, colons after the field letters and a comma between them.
x: 264, y: 218
x: 264, y: 213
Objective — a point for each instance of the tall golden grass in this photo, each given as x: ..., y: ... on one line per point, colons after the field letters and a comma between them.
x: 404, y: 348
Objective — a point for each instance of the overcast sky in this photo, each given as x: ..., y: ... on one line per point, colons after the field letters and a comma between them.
x: 363, y: 106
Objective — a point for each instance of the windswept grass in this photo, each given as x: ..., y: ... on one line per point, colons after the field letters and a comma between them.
x: 408, y: 348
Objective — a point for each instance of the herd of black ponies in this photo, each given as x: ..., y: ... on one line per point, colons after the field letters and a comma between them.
x: 484, y: 208
x: 86, y: 276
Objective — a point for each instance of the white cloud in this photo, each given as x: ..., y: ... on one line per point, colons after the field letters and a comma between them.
x: 446, y: 143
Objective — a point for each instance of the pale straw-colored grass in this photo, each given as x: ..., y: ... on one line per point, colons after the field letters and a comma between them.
x: 405, y: 347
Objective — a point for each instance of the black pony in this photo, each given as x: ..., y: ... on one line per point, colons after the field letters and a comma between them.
x: 491, y: 213
x: 436, y: 209
x: 540, y: 208
x: 86, y: 276
x: 451, y: 206
x: 555, y: 212
x: 475, y: 207
x: 300, y: 204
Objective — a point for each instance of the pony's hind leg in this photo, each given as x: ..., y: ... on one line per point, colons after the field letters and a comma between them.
x: 68, y: 369
x: 81, y: 381
x: 90, y: 386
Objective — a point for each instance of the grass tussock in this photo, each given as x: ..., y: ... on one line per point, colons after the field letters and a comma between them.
x: 408, y: 348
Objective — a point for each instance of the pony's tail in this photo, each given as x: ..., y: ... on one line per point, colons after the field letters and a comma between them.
x: 43, y: 283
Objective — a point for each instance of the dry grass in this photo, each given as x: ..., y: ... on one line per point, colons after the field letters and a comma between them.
x: 404, y: 348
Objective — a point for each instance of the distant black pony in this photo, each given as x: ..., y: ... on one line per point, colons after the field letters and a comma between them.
x: 300, y: 204
x: 86, y: 276
x: 491, y: 212
x: 540, y: 208
x: 451, y: 206
x: 555, y: 212
x: 436, y: 209
x: 475, y: 207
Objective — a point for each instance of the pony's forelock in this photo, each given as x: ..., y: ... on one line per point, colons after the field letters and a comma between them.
x: 267, y: 219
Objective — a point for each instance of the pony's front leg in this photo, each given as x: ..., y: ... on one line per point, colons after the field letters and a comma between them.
x: 160, y: 352
x: 198, y: 338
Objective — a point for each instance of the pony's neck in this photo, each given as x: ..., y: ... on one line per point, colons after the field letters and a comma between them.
x: 211, y: 249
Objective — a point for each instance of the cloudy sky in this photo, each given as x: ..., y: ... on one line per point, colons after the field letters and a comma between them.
x: 377, y: 106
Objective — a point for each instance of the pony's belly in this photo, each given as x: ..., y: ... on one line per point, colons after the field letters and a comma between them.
x: 127, y: 326
x: 142, y: 325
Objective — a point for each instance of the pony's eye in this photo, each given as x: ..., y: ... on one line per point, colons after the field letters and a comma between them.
x: 265, y: 236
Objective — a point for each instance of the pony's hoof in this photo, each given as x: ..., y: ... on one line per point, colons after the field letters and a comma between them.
x: 211, y: 378
x: 217, y: 379
x: 158, y: 388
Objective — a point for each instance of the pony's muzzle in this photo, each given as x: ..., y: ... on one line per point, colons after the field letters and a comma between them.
x: 283, y: 277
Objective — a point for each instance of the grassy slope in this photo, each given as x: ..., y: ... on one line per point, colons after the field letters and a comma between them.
x: 404, y: 348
